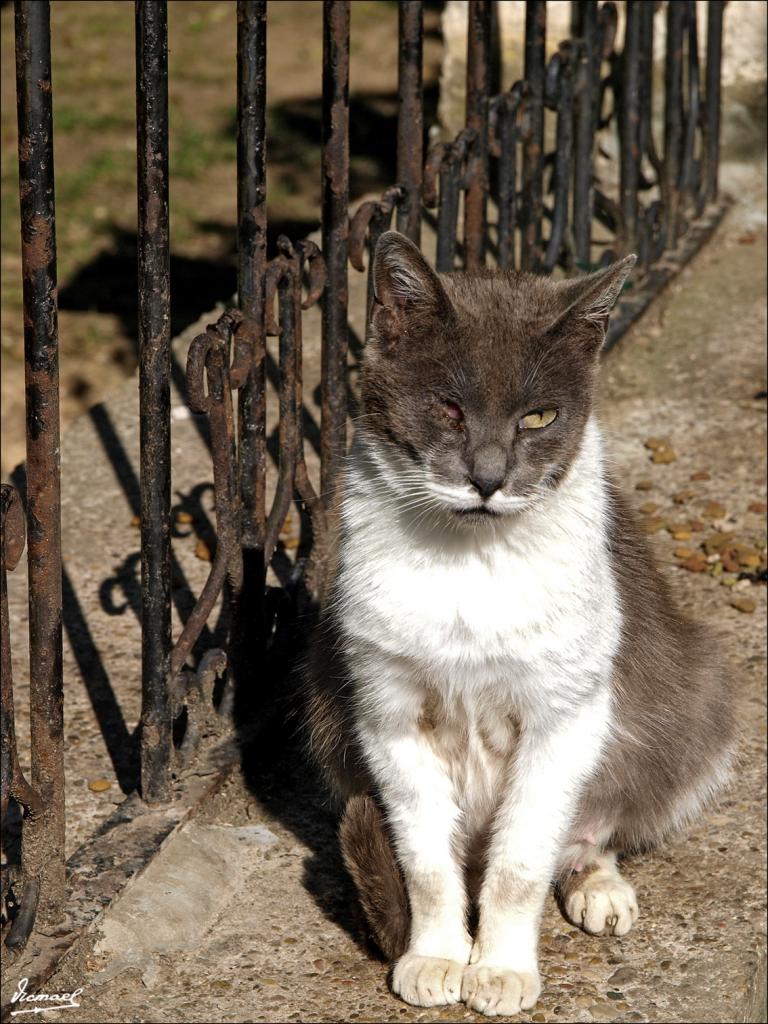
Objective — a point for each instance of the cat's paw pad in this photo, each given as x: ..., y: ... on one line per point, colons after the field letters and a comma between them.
x: 603, y: 904
x: 427, y: 980
x: 499, y: 993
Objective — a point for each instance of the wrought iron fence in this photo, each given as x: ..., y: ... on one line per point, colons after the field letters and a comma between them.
x: 517, y: 188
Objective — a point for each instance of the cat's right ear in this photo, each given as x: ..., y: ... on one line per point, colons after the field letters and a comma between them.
x: 408, y: 295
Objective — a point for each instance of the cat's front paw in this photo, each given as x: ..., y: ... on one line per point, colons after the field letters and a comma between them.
x: 602, y: 904
x: 497, y: 992
x: 427, y: 980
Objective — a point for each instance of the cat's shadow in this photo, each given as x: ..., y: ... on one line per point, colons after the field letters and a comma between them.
x: 279, y: 774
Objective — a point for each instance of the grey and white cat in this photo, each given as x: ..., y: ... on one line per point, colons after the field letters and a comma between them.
x: 502, y: 693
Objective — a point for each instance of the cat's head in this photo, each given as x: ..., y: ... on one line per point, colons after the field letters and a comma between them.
x: 476, y: 389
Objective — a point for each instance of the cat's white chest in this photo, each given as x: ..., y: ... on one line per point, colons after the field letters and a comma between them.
x: 510, y: 603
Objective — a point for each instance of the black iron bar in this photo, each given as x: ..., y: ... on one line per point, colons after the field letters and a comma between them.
x: 690, y: 171
x: 34, y: 91
x: 509, y: 109
x: 478, y: 89
x: 673, y: 118
x: 283, y: 276
x: 310, y: 257
x: 410, y: 116
x: 250, y: 352
x: 629, y: 123
x: 586, y: 87
x: 335, y: 182
x: 209, y: 357
x: 248, y: 371
x: 645, y: 131
x: 712, y: 96
x: 561, y: 98
x: 533, y: 151
x: 154, y: 394
x: 369, y: 223
x: 453, y: 159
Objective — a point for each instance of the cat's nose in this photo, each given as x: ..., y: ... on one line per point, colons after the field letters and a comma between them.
x: 489, y: 469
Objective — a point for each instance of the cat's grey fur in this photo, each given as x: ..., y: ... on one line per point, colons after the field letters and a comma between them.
x: 496, y: 346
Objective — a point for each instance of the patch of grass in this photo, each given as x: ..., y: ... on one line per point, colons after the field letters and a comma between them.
x: 79, y: 118
x: 193, y: 151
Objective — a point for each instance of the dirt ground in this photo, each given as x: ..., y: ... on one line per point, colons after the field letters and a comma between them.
x: 95, y: 153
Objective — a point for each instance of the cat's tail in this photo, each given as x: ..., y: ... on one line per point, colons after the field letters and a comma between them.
x: 370, y: 860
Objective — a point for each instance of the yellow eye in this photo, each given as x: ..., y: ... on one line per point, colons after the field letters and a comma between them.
x: 538, y: 418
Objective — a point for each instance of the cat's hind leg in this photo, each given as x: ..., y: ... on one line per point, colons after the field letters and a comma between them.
x: 597, y: 898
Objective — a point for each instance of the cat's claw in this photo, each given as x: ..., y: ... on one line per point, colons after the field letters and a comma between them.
x: 603, y: 904
x: 427, y: 981
x: 497, y: 992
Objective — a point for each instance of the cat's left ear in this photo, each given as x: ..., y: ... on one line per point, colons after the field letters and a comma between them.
x: 409, y: 296
x: 589, y: 300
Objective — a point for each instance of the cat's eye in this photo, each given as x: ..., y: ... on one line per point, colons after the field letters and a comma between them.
x: 538, y: 418
x: 454, y: 412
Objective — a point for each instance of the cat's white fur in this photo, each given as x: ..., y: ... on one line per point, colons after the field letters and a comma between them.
x: 482, y: 662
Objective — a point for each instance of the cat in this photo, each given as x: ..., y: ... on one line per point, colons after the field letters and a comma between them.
x: 501, y: 693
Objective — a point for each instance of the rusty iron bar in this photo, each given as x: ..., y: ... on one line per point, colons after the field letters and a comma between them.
x: 154, y: 395
x: 34, y: 91
x: 587, y: 90
x: 369, y: 223
x: 248, y: 369
x: 645, y: 143
x: 690, y: 167
x: 531, y: 205
x: 673, y: 119
x: 507, y: 125
x: 13, y: 783
x: 445, y: 174
x: 712, y: 97
x: 309, y: 259
x: 283, y: 278
x: 248, y: 372
x: 335, y: 189
x: 209, y: 358
x: 691, y: 183
x: 410, y: 116
x: 478, y: 91
x: 629, y: 126
x: 559, y: 97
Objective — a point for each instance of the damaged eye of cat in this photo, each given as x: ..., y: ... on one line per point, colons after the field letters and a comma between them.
x: 454, y: 412
x: 538, y: 418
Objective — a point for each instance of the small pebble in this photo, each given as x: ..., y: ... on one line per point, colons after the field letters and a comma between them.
x: 714, y: 510
x: 648, y: 507
x: 653, y: 524
x: 663, y: 456
x: 681, y: 535
x: 654, y: 443
x: 683, y: 553
x: 682, y: 496
x: 697, y: 563
x: 757, y: 506
x: 184, y: 517
x: 622, y: 976
x: 135, y: 520
x: 744, y: 604
x: 644, y: 485
x: 99, y: 785
x: 700, y: 474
